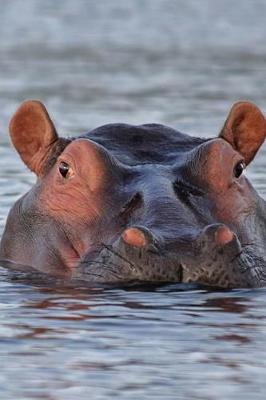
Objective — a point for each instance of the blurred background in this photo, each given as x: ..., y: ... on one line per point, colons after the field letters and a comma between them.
x: 182, y: 63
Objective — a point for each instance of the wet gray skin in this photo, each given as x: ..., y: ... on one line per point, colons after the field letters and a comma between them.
x: 127, y: 203
x: 195, y: 257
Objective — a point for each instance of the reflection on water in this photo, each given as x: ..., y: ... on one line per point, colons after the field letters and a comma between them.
x: 180, y: 63
x: 131, y: 342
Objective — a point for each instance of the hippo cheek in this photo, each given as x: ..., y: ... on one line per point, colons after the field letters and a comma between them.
x: 82, y: 194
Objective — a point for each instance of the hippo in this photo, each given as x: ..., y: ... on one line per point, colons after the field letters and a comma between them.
x: 139, y: 203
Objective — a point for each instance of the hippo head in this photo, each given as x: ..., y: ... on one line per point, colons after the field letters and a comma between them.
x: 127, y: 203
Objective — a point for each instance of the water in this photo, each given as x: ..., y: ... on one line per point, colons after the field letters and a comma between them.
x: 181, y: 63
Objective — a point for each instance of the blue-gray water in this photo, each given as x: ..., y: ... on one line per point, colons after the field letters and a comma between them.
x: 182, y: 63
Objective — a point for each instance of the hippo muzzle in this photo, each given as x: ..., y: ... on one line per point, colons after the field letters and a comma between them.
x: 144, y: 203
x: 215, y: 258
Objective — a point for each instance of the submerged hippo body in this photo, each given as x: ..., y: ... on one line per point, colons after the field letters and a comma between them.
x: 139, y: 203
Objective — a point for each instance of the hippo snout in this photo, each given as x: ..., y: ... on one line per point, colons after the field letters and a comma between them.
x: 221, y: 260
x: 220, y: 239
x: 208, y: 258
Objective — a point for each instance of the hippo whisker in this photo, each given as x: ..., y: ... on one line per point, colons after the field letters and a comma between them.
x: 110, y: 248
x: 236, y: 256
x: 250, y: 245
x: 87, y: 272
x: 105, y: 265
x: 84, y: 262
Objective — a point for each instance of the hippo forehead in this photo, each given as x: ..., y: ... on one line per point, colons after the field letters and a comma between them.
x: 142, y: 144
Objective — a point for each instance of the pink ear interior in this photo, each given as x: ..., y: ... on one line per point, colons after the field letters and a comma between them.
x: 32, y: 133
x: 245, y: 129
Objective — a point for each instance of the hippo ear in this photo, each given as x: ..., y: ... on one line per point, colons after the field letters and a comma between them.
x: 33, y: 134
x: 245, y: 129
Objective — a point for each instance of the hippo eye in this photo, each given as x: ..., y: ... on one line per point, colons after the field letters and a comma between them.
x: 64, y: 169
x: 239, y: 168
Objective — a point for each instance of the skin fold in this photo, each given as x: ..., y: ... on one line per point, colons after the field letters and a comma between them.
x: 125, y: 203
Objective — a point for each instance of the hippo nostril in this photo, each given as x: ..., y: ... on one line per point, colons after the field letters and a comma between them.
x: 139, y: 236
x: 217, y: 234
x: 223, y: 235
x: 134, y: 237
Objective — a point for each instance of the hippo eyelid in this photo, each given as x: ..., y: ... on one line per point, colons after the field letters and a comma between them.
x: 184, y: 188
